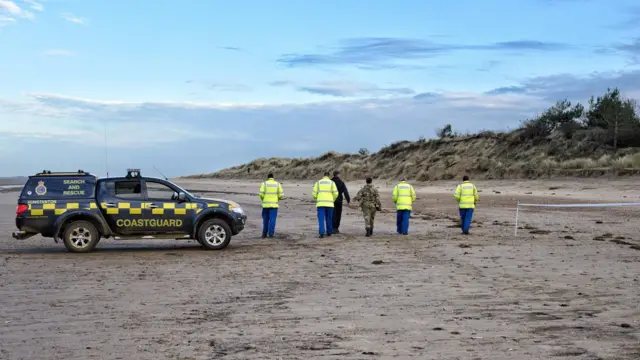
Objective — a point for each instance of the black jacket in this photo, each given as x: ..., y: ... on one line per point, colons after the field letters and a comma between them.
x: 342, y: 189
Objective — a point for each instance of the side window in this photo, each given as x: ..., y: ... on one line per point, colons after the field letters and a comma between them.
x: 127, y: 189
x: 59, y: 187
x: 158, y: 191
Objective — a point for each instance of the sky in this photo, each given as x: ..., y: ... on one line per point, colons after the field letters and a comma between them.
x: 197, y: 86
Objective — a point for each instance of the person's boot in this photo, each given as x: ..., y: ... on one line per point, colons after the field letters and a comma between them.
x: 264, y: 235
x: 368, y: 232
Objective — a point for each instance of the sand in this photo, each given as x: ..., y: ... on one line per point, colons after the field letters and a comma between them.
x: 567, y: 287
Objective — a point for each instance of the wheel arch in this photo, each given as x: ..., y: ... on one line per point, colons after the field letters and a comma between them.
x: 66, y: 219
x: 211, y: 214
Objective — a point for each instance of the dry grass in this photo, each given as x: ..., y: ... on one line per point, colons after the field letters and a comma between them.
x: 629, y: 161
x: 486, y: 155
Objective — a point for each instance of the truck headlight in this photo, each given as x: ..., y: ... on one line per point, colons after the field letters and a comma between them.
x: 238, y: 210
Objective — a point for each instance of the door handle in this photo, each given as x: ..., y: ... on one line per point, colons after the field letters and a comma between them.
x: 109, y: 205
x: 153, y: 206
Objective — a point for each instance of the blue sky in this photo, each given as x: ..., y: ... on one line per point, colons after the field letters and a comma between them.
x: 196, y: 86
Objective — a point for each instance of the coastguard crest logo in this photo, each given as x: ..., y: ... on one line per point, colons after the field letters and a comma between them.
x: 41, y: 189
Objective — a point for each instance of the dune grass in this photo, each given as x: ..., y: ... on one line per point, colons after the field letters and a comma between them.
x: 488, y: 155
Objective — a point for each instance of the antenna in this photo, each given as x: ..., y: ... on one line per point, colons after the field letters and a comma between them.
x: 106, y: 154
x: 160, y: 173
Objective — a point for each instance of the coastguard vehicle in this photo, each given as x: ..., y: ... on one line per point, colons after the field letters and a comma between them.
x: 79, y: 209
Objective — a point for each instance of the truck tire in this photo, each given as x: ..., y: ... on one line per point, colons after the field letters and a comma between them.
x: 80, y: 236
x: 214, y: 234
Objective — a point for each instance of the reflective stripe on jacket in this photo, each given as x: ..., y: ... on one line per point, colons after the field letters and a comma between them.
x: 270, y: 193
x: 403, y: 196
x: 325, y: 192
x: 466, y: 195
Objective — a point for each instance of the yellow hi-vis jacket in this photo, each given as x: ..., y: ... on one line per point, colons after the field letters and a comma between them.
x: 403, y: 196
x: 325, y: 192
x: 270, y: 193
x: 466, y: 195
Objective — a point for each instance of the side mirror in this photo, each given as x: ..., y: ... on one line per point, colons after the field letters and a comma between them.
x: 181, y: 196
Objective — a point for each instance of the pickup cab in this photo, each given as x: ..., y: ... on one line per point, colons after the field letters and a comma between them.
x: 80, y: 209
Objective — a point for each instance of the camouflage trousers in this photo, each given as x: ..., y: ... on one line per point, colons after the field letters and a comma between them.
x: 369, y: 214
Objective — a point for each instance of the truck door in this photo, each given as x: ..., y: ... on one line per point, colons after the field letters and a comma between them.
x: 165, y: 212
x: 121, y: 202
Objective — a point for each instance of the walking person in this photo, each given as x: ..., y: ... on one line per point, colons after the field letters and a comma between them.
x: 343, y: 193
x: 369, y: 201
x: 403, y: 197
x: 466, y: 195
x: 325, y: 194
x: 270, y: 193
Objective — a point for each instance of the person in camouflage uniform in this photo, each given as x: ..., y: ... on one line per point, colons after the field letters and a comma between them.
x: 369, y: 200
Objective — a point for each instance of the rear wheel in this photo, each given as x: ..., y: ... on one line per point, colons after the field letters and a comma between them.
x: 214, y: 234
x: 80, y: 237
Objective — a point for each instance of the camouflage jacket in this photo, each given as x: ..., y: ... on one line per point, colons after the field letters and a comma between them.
x: 368, y: 197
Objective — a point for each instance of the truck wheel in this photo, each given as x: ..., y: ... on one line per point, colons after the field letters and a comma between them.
x: 80, y: 237
x: 214, y: 234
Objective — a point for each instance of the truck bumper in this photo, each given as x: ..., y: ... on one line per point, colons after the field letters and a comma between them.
x: 239, y: 223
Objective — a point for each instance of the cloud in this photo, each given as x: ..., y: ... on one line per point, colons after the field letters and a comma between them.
x: 56, y: 101
x: 426, y: 96
x: 507, y: 90
x: 34, y: 5
x: 377, y: 51
x: 346, y: 89
x: 10, y: 7
x: 198, y: 137
x: 190, y: 137
x: 59, y: 52
x: 74, y: 19
x: 5, y: 20
x: 82, y: 122
x: 558, y: 87
x: 349, y: 89
x: 10, y: 12
x: 630, y: 49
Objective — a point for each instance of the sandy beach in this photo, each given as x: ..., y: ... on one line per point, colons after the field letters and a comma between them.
x: 567, y: 287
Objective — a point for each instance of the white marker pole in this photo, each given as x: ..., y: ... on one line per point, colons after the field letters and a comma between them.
x: 515, y: 232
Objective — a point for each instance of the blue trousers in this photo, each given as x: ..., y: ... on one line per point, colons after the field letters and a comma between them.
x: 269, y: 216
x: 325, y: 219
x: 402, y: 221
x: 465, y: 219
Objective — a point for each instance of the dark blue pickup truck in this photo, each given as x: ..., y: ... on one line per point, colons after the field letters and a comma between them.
x: 80, y: 209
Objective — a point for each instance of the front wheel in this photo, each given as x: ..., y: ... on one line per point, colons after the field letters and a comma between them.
x: 80, y: 237
x: 214, y: 234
